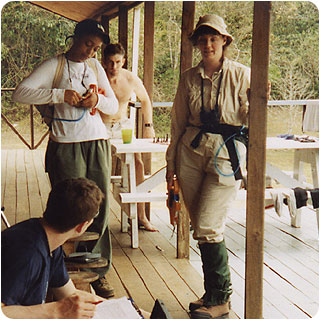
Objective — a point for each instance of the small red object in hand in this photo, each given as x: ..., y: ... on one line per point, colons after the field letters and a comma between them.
x: 95, y: 90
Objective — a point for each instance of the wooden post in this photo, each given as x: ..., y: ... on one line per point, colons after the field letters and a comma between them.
x: 105, y: 24
x: 183, y: 227
x: 148, y: 74
x: 135, y: 40
x: 32, y: 127
x: 188, y: 11
x: 134, y: 113
x: 257, y: 161
x: 148, y: 71
x: 123, y: 29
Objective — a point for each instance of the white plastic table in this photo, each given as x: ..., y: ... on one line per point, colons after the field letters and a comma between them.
x: 126, y: 192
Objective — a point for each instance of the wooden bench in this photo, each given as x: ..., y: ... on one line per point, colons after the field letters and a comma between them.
x: 143, y: 194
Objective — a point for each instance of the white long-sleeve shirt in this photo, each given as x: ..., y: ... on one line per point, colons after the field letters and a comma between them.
x: 37, y: 89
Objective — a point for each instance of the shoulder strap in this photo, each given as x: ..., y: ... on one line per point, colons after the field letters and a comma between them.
x: 58, y: 75
x: 93, y: 66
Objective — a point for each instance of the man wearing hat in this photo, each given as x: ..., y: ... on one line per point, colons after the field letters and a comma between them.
x: 78, y: 145
x: 209, y: 115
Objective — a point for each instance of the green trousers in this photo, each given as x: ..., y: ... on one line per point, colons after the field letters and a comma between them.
x: 91, y: 160
x: 217, y: 280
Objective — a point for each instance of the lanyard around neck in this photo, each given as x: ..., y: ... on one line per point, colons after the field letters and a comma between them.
x: 83, y: 76
x: 218, y: 92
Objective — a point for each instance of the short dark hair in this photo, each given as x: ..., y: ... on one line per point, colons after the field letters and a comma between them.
x: 91, y: 27
x: 71, y: 202
x: 203, y: 30
x: 113, y: 49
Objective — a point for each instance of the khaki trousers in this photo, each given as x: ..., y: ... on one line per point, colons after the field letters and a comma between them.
x: 206, y: 193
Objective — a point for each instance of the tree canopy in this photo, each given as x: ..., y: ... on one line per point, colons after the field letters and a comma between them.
x: 30, y: 34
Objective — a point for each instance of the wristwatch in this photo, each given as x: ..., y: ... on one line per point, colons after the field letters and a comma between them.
x: 147, y: 125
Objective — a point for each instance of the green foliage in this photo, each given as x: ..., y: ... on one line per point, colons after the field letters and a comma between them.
x: 28, y: 36
x: 31, y: 34
x: 161, y: 121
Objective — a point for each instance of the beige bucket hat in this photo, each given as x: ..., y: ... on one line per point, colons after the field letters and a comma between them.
x: 213, y: 21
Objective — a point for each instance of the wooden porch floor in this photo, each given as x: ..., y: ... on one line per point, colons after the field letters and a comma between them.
x: 291, y: 258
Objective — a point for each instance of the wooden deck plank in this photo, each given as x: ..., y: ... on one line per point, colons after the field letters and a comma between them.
x: 285, y: 265
x: 148, y: 273
x: 115, y: 282
x: 10, y: 193
x: 192, y: 287
x: 236, y: 248
x: 277, y: 282
x: 33, y: 187
x: 4, y: 154
x: 132, y: 280
x: 23, y: 212
x: 291, y: 264
x: 42, y: 176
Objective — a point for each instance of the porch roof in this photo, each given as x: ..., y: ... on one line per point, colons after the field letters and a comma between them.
x: 80, y: 10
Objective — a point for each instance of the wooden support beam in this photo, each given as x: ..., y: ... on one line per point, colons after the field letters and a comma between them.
x: 183, y: 228
x: 135, y: 40
x: 148, y: 69
x: 257, y: 161
x: 105, y: 23
x: 123, y: 29
x: 188, y: 11
x: 135, y: 113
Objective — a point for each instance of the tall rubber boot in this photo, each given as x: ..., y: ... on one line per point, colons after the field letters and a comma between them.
x: 217, y: 280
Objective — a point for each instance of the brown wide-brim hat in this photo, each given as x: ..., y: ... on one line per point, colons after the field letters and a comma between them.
x: 213, y: 21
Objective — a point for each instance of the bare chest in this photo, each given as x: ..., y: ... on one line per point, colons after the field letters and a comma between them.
x: 123, y: 90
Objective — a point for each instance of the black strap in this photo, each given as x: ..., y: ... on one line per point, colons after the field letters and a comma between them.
x: 233, y: 157
x: 224, y: 129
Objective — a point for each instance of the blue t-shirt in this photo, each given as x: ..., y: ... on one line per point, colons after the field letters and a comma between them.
x: 27, y: 267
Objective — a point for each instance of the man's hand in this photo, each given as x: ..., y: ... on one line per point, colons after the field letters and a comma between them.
x: 89, y: 101
x: 81, y: 304
x: 72, y: 97
x: 76, y: 100
x: 148, y: 132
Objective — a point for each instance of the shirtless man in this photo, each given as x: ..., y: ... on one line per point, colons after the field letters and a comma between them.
x: 124, y: 83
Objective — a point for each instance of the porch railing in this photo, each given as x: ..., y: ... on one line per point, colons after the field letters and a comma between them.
x: 32, y: 145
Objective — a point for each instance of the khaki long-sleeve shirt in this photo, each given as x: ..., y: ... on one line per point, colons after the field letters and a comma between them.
x: 185, y: 114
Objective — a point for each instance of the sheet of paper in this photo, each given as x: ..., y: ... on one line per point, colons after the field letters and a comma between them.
x: 120, y: 308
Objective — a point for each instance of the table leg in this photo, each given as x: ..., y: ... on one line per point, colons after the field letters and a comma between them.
x: 124, y: 221
x: 296, y: 221
x: 134, y: 226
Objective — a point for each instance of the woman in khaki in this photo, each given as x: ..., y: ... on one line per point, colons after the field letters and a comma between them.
x: 209, y: 116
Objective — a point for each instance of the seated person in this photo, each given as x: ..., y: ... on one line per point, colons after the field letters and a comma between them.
x: 32, y: 257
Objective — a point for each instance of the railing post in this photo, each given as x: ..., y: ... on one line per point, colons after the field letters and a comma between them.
x: 32, y: 127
